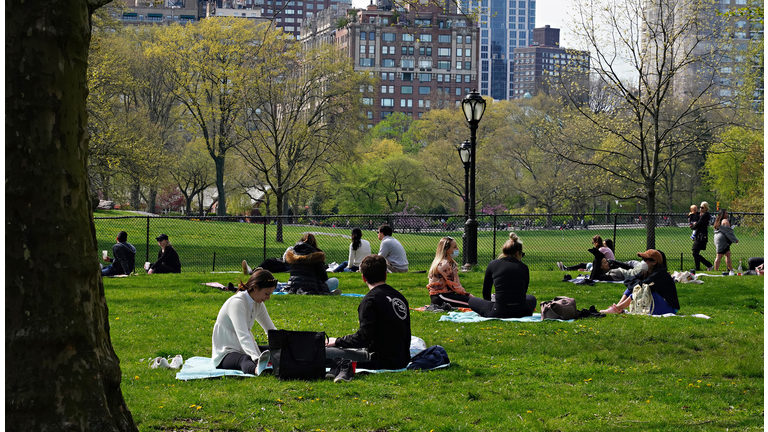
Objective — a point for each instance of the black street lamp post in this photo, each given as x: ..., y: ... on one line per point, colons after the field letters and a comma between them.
x: 473, y: 106
x: 465, y: 153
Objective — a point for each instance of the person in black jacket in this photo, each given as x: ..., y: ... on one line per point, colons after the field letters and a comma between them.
x: 660, y: 282
x: 124, y: 257
x: 167, y: 258
x: 308, y: 273
x: 384, y: 338
x: 701, y: 237
x: 510, y: 277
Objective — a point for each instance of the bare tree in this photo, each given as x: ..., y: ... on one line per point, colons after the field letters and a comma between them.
x: 660, y: 61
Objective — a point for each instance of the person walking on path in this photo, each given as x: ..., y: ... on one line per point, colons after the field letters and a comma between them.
x: 724, y: 237
x: 701, y: 237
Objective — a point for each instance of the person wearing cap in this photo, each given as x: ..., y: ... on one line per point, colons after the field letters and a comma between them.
x: 660, y: 282
x: 167, y: 258
x: 234, y: 346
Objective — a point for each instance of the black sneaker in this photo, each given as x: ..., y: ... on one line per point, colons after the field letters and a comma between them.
x: 346, y: 371
x: 335, y: 366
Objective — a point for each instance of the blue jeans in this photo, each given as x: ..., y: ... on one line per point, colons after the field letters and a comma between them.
x: 332, y: 283
x: 110, y: 271
x: 660, y: 306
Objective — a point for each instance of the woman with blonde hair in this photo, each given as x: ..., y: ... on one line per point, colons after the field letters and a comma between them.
x: 701, y: 237
x: 724, y: 236
x: 444, y: 286
x: 510, y: 277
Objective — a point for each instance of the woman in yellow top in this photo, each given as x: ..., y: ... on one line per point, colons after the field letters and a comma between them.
x: 444, y: 285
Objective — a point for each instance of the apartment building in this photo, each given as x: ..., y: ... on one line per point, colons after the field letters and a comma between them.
x: 538, y: 66
x: 425, y: 56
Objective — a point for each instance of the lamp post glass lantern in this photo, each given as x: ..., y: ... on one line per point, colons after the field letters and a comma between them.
x: 473, y: 106
x: 465, y: 153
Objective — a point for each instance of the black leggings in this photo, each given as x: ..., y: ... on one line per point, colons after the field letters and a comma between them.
x: 453, y: 299
x: 162, y: 268
x: 240, y: 361
x: 698, y: 259
x: 490, y: 309
x: 754, y: 262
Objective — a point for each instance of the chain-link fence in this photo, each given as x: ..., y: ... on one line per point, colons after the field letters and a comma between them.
x: 222, y: 243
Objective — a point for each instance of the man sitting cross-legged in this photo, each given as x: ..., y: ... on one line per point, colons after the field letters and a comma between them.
x: 384, y: 337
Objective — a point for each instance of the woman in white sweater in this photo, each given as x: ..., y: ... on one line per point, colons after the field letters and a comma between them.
x: 724, y: 237
x: 234, y: 346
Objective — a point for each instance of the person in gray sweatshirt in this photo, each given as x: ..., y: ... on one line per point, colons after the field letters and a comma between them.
x: 723, y: 238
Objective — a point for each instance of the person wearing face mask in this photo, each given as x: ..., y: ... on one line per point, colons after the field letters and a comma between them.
x: 444, y: 286
x: 660, y: 282
x: 509, y: 277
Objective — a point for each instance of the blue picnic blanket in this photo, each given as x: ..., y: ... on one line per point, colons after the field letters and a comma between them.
x: 470, y: 317
x: 202, y: 368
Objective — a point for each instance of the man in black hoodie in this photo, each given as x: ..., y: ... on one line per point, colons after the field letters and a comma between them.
x: 385, y: 323
x: 125, y: 257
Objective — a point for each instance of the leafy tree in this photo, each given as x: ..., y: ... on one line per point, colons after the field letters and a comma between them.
x: 734, y: 169
x: 209, y: 62
x: 193, y: 171
x: 302, y: 112
x: 62, y: 373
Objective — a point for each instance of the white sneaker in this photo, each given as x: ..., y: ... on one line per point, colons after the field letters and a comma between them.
x: 731, y: 273
x: 177, y: 362
x: 160, y: 363
x: 246, y: 269
x: 560, y: 266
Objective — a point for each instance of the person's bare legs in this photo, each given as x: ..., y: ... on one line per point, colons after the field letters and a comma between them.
x: 624, y: 303
x: 728, y: 261
x: 717, y: 261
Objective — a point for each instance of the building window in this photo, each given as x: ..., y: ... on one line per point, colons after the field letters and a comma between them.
x: 443, y: 52
x: 388, y: 63
x: 407, y: 37
x: 370, y: 115
x: 443, y: 65
x: 467, y: 52
x: 387, y: 102
x: 406, y: 63
x: 371, y: 49
x: 467, y: 65
x: 367, y: 101
x: 362, y: 35
x: 459, y: 39
x: 458, y: 65
x: 425, y: 63
x: 458, y: 91
x: 425, y: 77
x: 366, y: 62
x: 444, y: 38
x: 422, y: 22
x: 407, y: 76
x: 458, y: 78
x: 467, y: 39
x: 424, y: 90
x: 388, y: 37
x: 362, y: 49
x: 406, y: 89
x: 425, y: 37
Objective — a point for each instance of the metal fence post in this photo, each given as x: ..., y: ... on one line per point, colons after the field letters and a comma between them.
x: 265, y: 240
x: 147, y: 260
x: 214, y: 262
x: 494, y: 237
x: 615, y: 221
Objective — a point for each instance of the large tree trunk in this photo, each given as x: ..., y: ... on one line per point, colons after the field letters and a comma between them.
x: 650, y: 216
x: 279, y: 229
x: 221, y: 209
x: 61, y: 373
x: 151, y: 200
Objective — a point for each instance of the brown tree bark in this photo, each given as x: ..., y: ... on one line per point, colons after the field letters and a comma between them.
x: 62, y: 373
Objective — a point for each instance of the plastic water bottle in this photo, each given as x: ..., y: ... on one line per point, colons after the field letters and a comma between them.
x: 739, y: 267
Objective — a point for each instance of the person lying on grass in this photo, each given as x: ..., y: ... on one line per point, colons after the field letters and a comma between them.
x: 444, y: 285
x: 509, y: 276
x: 660, y: 282
x: 597, y: 243
x: 384, y: 338
x: 233, y: 344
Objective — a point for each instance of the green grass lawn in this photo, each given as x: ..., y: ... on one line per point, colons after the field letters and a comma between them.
x: 207, y: 245
x: 615, y: 373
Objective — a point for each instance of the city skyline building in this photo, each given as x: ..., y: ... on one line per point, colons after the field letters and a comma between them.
x: 505, y: 25
x: 544, y: 62
x: 425, y: 56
